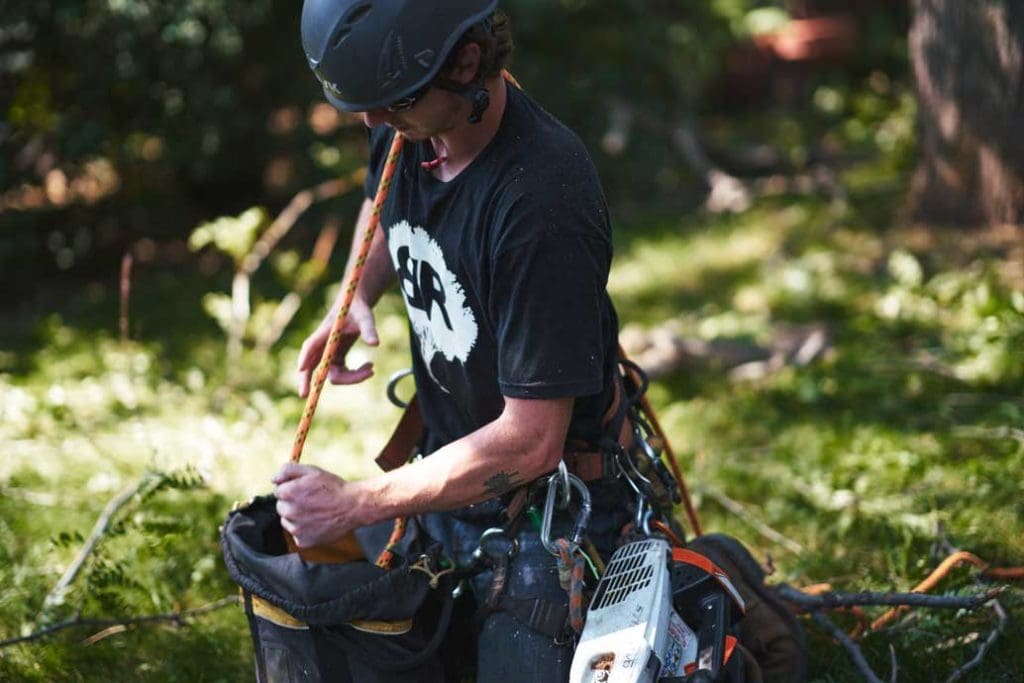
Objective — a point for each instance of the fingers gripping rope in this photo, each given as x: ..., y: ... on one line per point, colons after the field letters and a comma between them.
x: 571, y: 567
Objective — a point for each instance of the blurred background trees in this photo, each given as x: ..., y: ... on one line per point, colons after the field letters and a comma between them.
x: 969, y: 70
x: 817, y: 257
x: 129, y: 122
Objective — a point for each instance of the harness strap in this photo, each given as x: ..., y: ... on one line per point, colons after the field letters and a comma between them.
x: 587, y: 464
x: 405, y: 440
x: 592, y: 464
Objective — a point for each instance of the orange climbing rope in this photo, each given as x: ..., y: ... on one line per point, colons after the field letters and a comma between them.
x: 346, y: 548
x: 348, y: 294
x: 940, y: 572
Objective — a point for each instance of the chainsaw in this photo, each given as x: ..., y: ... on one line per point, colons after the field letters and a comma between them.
x: 660, y: 614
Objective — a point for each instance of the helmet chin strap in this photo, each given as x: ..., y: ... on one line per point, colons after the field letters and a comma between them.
x: 476, y: 92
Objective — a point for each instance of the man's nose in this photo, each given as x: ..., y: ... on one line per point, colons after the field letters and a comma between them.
x: 375, y: 117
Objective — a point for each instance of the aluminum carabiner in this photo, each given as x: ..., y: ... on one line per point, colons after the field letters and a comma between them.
x: 582, y: 517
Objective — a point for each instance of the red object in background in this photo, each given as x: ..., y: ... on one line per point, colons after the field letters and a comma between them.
x: 775, y: 66
x: 820, y: 39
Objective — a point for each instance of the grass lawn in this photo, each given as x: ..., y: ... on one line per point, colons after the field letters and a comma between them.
x: 906, y: 434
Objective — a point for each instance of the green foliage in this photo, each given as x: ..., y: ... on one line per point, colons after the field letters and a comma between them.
x: 233, y: 235
x: 901, y: 433
x: 905, y: 431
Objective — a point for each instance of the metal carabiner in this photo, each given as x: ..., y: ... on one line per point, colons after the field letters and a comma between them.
x: 641, y: 513
x: 582, y: 517
x: 563, y: 472
x: 392, y: 391
x: 496, y: 533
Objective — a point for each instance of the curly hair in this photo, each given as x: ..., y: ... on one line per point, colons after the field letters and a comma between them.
x: 494, y: 36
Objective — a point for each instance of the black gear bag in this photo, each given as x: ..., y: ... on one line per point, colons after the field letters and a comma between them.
x: 351, y: 622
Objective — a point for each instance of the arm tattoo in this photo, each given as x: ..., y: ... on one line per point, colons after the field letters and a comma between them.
x: 502, y: 482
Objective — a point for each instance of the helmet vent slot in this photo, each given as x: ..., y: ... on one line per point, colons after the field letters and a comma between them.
x: 354, y: 17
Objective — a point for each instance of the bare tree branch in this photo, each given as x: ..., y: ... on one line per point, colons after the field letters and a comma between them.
x: 727, y: 193
x: 741, y: 511
x: 291, y: 213
x: 830, y: 600
x: 240, y: 306
x: 289, y: 305
x: 984, y: 647
x: 126, y: 288
x: 177, y: 617
x: 56, y: 594
x: 851, y: 647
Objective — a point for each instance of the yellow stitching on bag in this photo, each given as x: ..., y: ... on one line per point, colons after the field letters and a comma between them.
x: 271, y: 613
x: 383, y: 628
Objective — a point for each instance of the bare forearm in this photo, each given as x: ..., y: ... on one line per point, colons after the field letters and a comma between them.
x: 489, y: 462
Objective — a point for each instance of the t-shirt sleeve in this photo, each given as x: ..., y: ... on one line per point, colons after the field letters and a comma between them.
x: 548, y: 300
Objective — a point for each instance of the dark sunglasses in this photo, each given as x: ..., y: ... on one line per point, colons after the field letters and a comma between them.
x: 409, y: 101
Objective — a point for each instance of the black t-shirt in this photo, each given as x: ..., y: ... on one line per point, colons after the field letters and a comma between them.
x: 503, y: 270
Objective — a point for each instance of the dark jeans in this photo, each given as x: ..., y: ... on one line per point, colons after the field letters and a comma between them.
x: 507, y: 650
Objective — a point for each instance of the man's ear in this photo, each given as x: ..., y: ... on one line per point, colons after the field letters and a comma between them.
x: 467, y: 64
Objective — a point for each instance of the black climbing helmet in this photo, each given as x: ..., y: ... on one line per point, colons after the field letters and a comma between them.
x: 371, y: 53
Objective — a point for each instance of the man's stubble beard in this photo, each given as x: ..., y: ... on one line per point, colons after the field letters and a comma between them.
x: 448, y: 122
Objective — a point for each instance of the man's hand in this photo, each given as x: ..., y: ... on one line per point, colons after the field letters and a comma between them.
x: 316, y: 507
x: 359, y: 323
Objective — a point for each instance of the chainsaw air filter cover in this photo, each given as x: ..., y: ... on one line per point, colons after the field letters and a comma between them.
x: 632, y: 633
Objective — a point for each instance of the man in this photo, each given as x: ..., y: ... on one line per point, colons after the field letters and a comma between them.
x: 497, y: 230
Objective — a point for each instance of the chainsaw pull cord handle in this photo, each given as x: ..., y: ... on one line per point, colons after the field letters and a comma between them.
x: 347, y: 295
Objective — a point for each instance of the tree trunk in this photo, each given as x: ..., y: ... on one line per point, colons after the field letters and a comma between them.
x: 968, y: 60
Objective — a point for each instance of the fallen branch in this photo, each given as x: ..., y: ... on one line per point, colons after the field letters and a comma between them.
x: 830, y: 600
x: 727, y: 193
x: 56, y: 594
x: 740, y: 511
x: 993, y: 433
x: 177, y: 618
x: 985, y: 646
x: 851, y: 647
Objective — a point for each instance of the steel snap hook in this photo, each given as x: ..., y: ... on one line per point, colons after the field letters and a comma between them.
x: 489, y: 544
x: 582, y: 516
x: 563, y: 474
